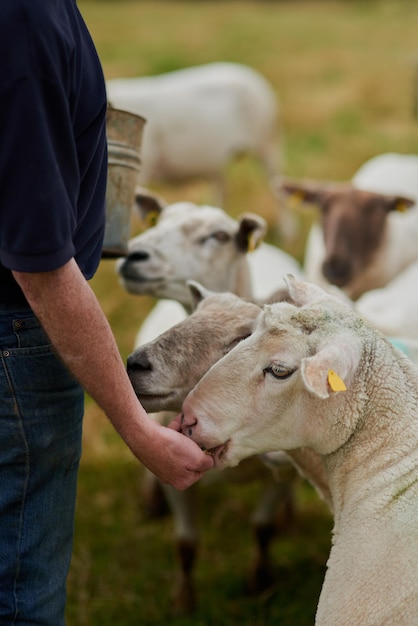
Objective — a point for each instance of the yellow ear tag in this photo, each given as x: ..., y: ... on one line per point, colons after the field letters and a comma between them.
x: 401, y: 207
x: 151, y: 218
x: 335, y: 381
x: 295, y: 199
x: 252, y: 243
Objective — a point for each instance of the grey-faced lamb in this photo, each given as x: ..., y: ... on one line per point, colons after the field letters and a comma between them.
x: 314, y: 374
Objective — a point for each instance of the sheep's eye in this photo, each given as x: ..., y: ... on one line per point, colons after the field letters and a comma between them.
x: 278, y: 371
x: 221, y: 236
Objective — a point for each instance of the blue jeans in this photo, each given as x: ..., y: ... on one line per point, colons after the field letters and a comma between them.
x: 41, y: 411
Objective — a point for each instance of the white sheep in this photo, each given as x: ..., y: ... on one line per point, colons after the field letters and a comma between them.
x: 314, y: 374
x: 202, y: 243
x: 205, y: 244
x: 201, y: 118
x: 365, y: 237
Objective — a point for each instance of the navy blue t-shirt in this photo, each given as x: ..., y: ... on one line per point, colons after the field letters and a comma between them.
x: 53, y: 158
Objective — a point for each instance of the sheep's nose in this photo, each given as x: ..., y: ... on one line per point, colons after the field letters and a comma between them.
x: 137, y: 255
x: 188, y: 422
x: 138, y: 362
x: 130, y: 259
x: 337, y: 270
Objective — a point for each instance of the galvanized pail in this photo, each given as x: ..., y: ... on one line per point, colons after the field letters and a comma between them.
x: 124, y: 136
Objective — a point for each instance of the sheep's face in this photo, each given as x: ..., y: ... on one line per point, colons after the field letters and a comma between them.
x: 280, y: 389
x: 354, y: 226
x: 163, y: 371
x: 189, y: 242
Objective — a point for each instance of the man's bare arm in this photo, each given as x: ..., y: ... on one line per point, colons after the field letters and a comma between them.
x: 80, y: 333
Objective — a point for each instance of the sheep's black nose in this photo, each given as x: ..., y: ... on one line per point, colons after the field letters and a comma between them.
x: 138, y: 362
x: 137, y: 255
x: 132, y: 258
x: 337, y: 270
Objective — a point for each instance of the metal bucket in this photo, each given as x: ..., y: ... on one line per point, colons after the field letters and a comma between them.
x: 124, y: 136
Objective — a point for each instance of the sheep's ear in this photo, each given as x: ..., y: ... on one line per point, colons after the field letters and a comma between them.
x: 301, y: 192
x: 148, y: 205
x: 301, y: 292
x: 398, y: 203
x: 252, y: 229
x: 332, y: 369
x: 198, y: 292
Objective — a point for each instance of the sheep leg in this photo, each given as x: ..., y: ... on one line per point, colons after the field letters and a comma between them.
x: 153, y: 498
x: 182, y: 506
x: 264, y: 519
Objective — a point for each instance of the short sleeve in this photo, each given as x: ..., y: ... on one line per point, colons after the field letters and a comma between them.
x: 53, y: 152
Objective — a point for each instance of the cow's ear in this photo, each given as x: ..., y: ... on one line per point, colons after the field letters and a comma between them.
x: 148, y: 205
x: 251, y: 231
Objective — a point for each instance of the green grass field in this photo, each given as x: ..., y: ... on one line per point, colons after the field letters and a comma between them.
x: 345, y: 76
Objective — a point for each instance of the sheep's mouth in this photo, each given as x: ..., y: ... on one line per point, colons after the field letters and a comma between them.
x: 218, y: 452
x: 137, y: 278
x: 155, y: 396
x: 153, y: 402
x: 135, y: 282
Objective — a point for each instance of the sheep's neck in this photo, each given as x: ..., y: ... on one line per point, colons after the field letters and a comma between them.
x: 378, y: 466
x: 374, y: 488
x: 379, y: 481
x: 239, y: 283
x: 310, y: 465
x: 370, y: 468
x: 375, y: 536
x: 242, y: 286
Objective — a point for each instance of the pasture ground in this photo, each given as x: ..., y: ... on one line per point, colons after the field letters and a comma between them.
x: 345, y: 74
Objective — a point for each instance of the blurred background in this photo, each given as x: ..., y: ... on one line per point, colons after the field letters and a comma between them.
x: 345, y: 74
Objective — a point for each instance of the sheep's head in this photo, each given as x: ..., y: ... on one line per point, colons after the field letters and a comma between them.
x: 164, y: 370
x: 191, y: 242
x: 285, y: 386
x: 353, y: 222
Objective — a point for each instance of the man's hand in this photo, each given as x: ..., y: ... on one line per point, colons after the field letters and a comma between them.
x: 174, y: 458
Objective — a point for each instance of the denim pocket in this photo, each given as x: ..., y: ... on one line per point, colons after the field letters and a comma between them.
x: 29, y: 333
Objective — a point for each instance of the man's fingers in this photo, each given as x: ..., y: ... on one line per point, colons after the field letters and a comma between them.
x: 175, y: 424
